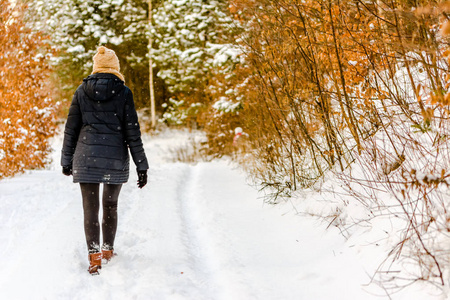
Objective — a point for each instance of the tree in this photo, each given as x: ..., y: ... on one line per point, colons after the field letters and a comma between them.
x: 27, y: 112
x: 191, y: 41
x: 359, y: 90
x: 78, y: 27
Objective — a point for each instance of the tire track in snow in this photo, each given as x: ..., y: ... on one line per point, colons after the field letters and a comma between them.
x: 159, y: 240
x: 214, y: 211
x: 195, y: 240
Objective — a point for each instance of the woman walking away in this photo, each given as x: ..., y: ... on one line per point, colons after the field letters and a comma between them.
x: 101, y: 126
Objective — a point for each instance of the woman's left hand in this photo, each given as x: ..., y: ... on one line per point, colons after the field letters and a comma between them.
x: 67, y: 170
x: 142, y: 178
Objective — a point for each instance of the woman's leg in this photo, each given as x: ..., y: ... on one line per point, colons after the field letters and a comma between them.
x: 109, y: 222
x: 90, y: 194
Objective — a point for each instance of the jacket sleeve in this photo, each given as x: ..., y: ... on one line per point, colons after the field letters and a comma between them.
x: 71, y: 132
x: 133, y: 134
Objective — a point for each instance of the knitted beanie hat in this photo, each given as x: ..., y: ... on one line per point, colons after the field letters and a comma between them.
x: 106, y: 61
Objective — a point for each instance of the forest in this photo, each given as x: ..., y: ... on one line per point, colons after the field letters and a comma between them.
x: 298, y: 92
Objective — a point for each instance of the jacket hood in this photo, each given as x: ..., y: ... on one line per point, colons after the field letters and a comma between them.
x: 102, y: 86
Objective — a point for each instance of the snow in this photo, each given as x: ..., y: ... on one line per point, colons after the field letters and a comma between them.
x: 225, y: 105
x: 179, y: 2
x: 194, y: 232
x: 77, y: 48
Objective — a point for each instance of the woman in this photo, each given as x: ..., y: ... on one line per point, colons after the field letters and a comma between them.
x: 101, y: 126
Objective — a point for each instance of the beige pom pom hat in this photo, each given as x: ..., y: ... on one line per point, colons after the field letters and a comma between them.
x: 106, y: 61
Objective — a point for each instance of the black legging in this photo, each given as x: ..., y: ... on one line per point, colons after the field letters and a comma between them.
x: 91, y: 206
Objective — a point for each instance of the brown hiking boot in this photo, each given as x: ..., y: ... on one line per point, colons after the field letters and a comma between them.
x: 95, y: 263
x: 107, y: 254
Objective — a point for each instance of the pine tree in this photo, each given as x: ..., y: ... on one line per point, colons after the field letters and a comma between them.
x: 190, y: 46
x: 78, y: 27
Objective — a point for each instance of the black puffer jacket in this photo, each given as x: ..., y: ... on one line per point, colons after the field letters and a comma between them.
x: 101, y: 126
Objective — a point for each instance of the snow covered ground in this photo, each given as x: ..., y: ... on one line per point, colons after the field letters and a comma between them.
x: 194, y: 232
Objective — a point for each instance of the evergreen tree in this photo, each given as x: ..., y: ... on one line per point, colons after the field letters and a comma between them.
x: 78, y: 27
x: 190, y: 46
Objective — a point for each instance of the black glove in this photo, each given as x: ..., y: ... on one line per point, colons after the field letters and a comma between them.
x: 142, y: 178
x: 67, y: 170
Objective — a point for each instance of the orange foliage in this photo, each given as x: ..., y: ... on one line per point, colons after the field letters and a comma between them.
x: 322, y: 75
x: 27, y: 113
x: 335, y: 86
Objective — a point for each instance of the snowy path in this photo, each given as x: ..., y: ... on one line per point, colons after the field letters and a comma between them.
x: 195, y: 232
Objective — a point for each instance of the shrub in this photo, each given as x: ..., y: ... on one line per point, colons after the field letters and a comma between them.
x: 27, y: 113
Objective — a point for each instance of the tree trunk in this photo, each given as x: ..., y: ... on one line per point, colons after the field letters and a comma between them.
x: 150, y: 67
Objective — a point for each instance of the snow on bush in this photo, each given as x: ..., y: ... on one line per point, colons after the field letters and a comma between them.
x: 349, y: 91
x: 26, y: 109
